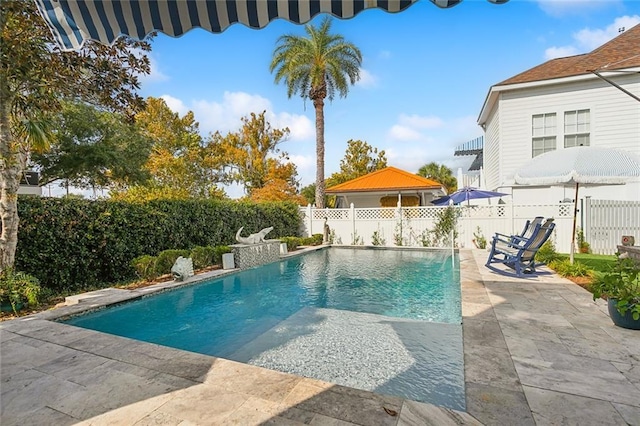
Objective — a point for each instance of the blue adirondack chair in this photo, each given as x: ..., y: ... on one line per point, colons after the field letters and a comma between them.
x: 518, y: 252
x: 527, y: 231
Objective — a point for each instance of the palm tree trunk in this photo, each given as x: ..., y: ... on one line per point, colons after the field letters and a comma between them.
x: 12, y: 163
x: 320, y: 187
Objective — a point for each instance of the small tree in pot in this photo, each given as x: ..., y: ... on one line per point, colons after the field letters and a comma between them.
x: 621, y: 287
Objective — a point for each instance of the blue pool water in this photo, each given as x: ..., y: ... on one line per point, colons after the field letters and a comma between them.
x: 414, y: 297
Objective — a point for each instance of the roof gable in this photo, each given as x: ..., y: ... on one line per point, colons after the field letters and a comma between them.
x: 620, y: 52
x: 387, y: 179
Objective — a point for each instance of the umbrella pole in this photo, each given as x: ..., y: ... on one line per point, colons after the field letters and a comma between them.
x: 573, y: 233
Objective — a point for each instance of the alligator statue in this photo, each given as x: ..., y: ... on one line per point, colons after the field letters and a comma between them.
x: 256, y: 238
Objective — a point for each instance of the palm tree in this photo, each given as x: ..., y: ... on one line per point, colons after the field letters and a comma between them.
x: 441, y: 174
x: 316, y: 67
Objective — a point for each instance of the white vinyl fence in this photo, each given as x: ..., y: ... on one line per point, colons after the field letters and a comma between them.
x: 604, y: 222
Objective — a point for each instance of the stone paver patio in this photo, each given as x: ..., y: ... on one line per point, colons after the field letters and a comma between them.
x: 537, y: 351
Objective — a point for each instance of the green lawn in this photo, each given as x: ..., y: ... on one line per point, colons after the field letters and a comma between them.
x: 598, y: 262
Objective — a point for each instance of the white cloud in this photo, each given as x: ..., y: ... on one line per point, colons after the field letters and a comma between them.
x: 431, y: 144
x: 403, y: 133
x: 300, y: 126
x: 589, y: 39
x: 367, y: 80
x: 407, y: 158
x: 225, y: 116
x: 155, y: 75
x: 420, y: 122
x: 559, y: 8
x: 175, y: 104
x: 306, y: 165
x: 560, y: 52
x: 411, y: 127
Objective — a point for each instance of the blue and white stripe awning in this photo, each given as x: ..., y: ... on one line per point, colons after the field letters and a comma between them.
x: 75, y: 21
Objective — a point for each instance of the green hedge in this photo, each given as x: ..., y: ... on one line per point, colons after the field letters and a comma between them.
x: 294, y: 242
x: 71, y: 244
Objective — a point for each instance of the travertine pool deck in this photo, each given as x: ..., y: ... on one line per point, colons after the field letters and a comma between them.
x: 537, y: 351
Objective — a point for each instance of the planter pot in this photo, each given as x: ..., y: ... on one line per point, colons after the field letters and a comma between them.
x: 626, y: 320
x: 6, y: 306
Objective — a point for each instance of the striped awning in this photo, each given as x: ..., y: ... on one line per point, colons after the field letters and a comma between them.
x: 75, y: 21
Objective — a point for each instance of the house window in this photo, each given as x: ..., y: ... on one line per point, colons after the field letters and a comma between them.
x: 543, y: 131
x: 576, y: 128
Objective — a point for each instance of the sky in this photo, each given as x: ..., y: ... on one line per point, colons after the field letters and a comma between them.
x: 425, y: 74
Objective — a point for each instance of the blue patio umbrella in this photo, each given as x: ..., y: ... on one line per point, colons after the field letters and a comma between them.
x: 465, y: 194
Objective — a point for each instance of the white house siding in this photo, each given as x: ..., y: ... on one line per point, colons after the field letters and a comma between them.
x: 614, y: 121
x: 491, y: 149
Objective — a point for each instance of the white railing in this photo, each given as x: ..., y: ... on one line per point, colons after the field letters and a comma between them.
x: 358, y: 225
x: 606, y: 221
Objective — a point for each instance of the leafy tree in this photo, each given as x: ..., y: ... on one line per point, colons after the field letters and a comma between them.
x: 144, y: 193
x: 245, y: 155
x: 309, y: 193
x: 280, y: 184
x: 316, y: 67
x: 179, y: 158
x: 34, y: 77
x: 359, y: 159
x: 93, y: 149
x: 441, y: 174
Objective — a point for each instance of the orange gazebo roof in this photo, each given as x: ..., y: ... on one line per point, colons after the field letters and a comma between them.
x: 387, y: 179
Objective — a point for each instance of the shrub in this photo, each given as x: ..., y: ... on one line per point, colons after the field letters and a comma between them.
x: 218, y: 251
x: 479, y: 240
x: 317, y: 239
x: 583, y: 246
x: 305, y: 241
x: 356, y: 240
x: 621, y: 283
x: 145, y: 267
x: 292, y: 242
x: 18, y: 288
x: 566, y: 269
x: 547, y: 253
x: 377, y: 239
x: 397, y: 234
x: 71, y: 244
x: 333, y: 238
x: 445, y: 226
x: 167, y: 258
x: 202, y: 256
x: 425, y: 238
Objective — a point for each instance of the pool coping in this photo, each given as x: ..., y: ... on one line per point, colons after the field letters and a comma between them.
x: 504, y: 383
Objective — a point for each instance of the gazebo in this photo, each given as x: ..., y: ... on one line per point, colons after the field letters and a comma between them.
x: 385, y: 188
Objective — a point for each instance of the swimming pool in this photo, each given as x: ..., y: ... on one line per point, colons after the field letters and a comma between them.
x: 381, y: 320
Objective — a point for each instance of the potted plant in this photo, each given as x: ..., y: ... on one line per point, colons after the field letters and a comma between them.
x: 17, y: 289
x: 621, y: 288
